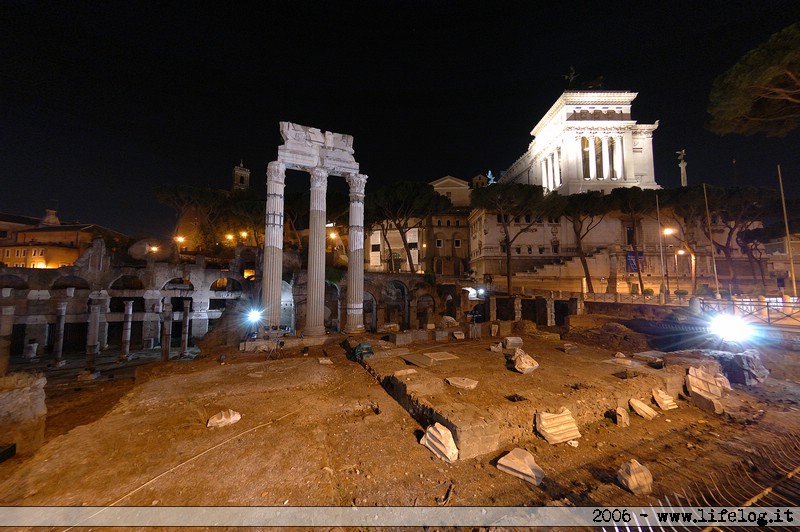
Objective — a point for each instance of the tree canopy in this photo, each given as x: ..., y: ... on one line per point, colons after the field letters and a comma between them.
x: 760, y: 93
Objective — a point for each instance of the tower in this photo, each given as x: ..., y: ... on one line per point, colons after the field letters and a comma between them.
x: 241, y: 178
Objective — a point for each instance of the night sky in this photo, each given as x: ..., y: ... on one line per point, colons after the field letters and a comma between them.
x: 102, y: 101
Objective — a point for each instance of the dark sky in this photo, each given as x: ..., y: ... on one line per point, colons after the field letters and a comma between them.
x: 102, y: 101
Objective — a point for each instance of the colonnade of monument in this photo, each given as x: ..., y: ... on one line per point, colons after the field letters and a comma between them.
x: 321, y: 154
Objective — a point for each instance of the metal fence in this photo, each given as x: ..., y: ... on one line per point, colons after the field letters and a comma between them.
x: 770, y: 311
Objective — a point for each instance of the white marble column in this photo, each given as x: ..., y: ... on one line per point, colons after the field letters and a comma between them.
x: 93, y: 337
x: 618, y: 167
x: 556, y: 169
x: 58, y: 341
x: 187, y: 304
x: 273, y: 245
x: 355, y: 256
x: 606, y: 158
x: 127, y: 318
x: 544, y: 173
x: 166, y: 331
x: 592, y: 159
x: 315, y: 308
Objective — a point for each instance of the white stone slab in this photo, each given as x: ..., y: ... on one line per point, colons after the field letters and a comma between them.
x: 520, y: 463
x: 523, y: 362
x: 224, y: 418
x: 664, y: 400
x: 441, y: 355
x: 557, y: 428
x: 642, y: 409
x: 636, y: 478
x: 623, y: 418
x: 512, y: 342
x: 462, y: 382
x: 439, y: 439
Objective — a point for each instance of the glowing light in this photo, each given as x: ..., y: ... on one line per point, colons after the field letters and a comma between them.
x: 152, y: 249
x: 668, y: 231
x: 681, y: 252
x: 180, y: 239
x: 481, y: 291
x: 333, y: 235
x: 243, y: 234
x: 229, y: 237
x: 730, y: 328
x: 254, y: 316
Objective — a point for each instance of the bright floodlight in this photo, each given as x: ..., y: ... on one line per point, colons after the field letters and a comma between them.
x: 730, y: 328
x: 254, y: 316
x: 481, y: 291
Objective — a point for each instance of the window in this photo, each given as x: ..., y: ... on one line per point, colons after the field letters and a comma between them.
x: 518, y: 250
x: 413, y: 245
x: 502, y: 248
x: 3, y: 234
x: 528, y: 218
x: 448, y: 194
x: 376, y: 247
x: 439, y: 243
x: 33, y: 252
x: 439, y: 223
x: 530, y: 250
x: 457, y: 243
x: 458, y: 223
x: 8, y: 253
x: 448, y: 223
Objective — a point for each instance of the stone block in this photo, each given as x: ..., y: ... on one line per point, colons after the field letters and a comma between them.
x: 664, y: 400
x: 458, y: 335
x: 403, y: 338
x: 570, y: 348
x: 622, y: 417
x: 512, y: 342
x: 439, y: 439
x: 404, y: 372
x: 707, y: 402
x: 388, y: 328
x: 636, y: 478
x: 698, y: 380
x: 642, y: 409
x: 474, y: 430
x: 558, y: 427
x: 462, y: 382
x: 224, y: 418
x: 520, y: 463
x: 420, y: 335
x: 523, y: 362
x: 23, y: 412
x: 440, y: 336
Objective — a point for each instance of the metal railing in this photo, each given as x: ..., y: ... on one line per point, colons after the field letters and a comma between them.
x: 771, y: 311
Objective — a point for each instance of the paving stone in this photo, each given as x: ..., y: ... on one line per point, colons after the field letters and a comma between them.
x: 439, y: 439
x: 520, y: 463
x: 404, y: 372
x: 636, y: 478
x: 224, y: 418
x: 462, y: 382
x: 714, y: 385
x: 418, y: 359
x: 558, y: 427
x: 642, y: 409
x: 440, y: 356
x: 664, y: 400
x: 623, y: 418
x: 512, y: 342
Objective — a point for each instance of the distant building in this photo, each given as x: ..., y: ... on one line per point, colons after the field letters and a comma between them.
x: 588, y: 141
x: 27, y: 242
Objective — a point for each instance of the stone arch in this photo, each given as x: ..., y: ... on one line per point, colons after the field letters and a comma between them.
x: 178, y: 284
x: 370, y: 312
x: 127, y: 282
x: 70, y: 281
x: 226, y: 284
x: 13, y: 281
x: 426, y: 310
x: 395, y: 296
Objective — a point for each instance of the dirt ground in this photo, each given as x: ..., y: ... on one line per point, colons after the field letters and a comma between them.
x: 317, y: 435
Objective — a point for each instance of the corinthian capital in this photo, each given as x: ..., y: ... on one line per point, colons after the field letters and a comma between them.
x: 319, y: 177
x: 276, y: 171
x: 357, y: 184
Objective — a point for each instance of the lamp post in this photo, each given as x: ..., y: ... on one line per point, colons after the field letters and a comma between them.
x: 678, y: 253
x: 667, y: 231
